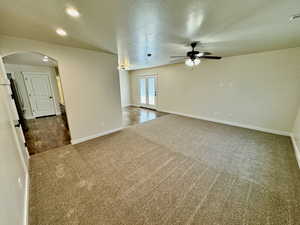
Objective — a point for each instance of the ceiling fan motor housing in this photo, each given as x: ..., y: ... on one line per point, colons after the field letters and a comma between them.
x: 192, y: 54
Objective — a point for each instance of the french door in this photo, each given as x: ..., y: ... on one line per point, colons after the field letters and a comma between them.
x: 148, y: 91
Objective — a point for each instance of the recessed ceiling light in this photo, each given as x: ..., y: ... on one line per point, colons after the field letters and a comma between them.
x: 293, y: 17
x: 45, y: 59
x: 72, y: 12
x: 61, y: 32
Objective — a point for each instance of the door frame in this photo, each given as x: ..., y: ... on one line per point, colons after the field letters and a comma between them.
x: 14, y: 119
x: 156, y: 91
x: 51, y: 89
x: 18, y: 135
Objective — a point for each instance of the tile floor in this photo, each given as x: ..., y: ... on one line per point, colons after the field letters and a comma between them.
x: 135, y: 115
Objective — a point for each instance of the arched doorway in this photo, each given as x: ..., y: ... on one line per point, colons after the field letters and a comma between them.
x: 38, y: 96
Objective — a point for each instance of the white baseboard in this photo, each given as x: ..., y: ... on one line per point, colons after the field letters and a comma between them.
x: 236, y: 124
x: 29, y: 117
x: 26, y: 200
x: 135, y: 105
x: 79, y: 140
x: 147, y: 107
x: 296, y: 149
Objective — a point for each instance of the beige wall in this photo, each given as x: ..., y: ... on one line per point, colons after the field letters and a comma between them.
x: 90, y: 82
x: 296, y: 136
x: 125, y: 88
x: 17, y: 70
x: 257, y: 90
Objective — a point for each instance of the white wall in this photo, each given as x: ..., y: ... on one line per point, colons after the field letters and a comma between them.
x: 125, y: 88
x: 90, y: 83
x: 257, y: 90
x: 13, y: 175
x: 17, y: 70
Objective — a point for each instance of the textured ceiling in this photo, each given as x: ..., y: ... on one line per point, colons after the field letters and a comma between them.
x: 133, y: 28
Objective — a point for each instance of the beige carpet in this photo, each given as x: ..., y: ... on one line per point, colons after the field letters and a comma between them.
x: 169, y: 171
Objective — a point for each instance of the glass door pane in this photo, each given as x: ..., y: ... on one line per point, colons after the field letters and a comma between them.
x: 151, y: 90
x: 143, y: 91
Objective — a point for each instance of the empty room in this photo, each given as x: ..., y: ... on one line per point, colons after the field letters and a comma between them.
x: 160, y: 112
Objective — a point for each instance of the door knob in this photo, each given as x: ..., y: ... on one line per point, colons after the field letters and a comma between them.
x: 50, y: 97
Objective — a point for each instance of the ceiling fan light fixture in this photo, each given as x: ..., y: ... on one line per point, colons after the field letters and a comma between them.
x: 193, y: 57
x: 197, y: 61
x: 189, y: 62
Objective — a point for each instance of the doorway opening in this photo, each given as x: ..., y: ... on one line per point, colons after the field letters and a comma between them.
x: 146, y: 110
x: 38, y: 96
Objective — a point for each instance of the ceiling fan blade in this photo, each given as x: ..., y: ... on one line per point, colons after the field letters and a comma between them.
x: 177, y: 61
x: 210, y: 57
x: 177, y: 56
x: 206, y: 53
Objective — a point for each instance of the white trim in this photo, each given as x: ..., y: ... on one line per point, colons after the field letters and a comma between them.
x: 26, y: 199
x: 135, y: 105
x: 4, y: 80
x: 296, y: 149
x: 79, y: 140
x: 147, y: 105
x: 236, y: 124
x: 29, y: 117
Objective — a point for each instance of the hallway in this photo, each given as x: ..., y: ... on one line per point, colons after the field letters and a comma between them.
x: 46, y: 133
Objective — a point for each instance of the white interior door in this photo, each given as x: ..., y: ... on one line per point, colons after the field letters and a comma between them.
x: 148, y: 91
x: 40, y: 94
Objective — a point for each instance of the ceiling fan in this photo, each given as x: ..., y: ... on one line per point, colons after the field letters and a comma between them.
x: 193, y: 58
